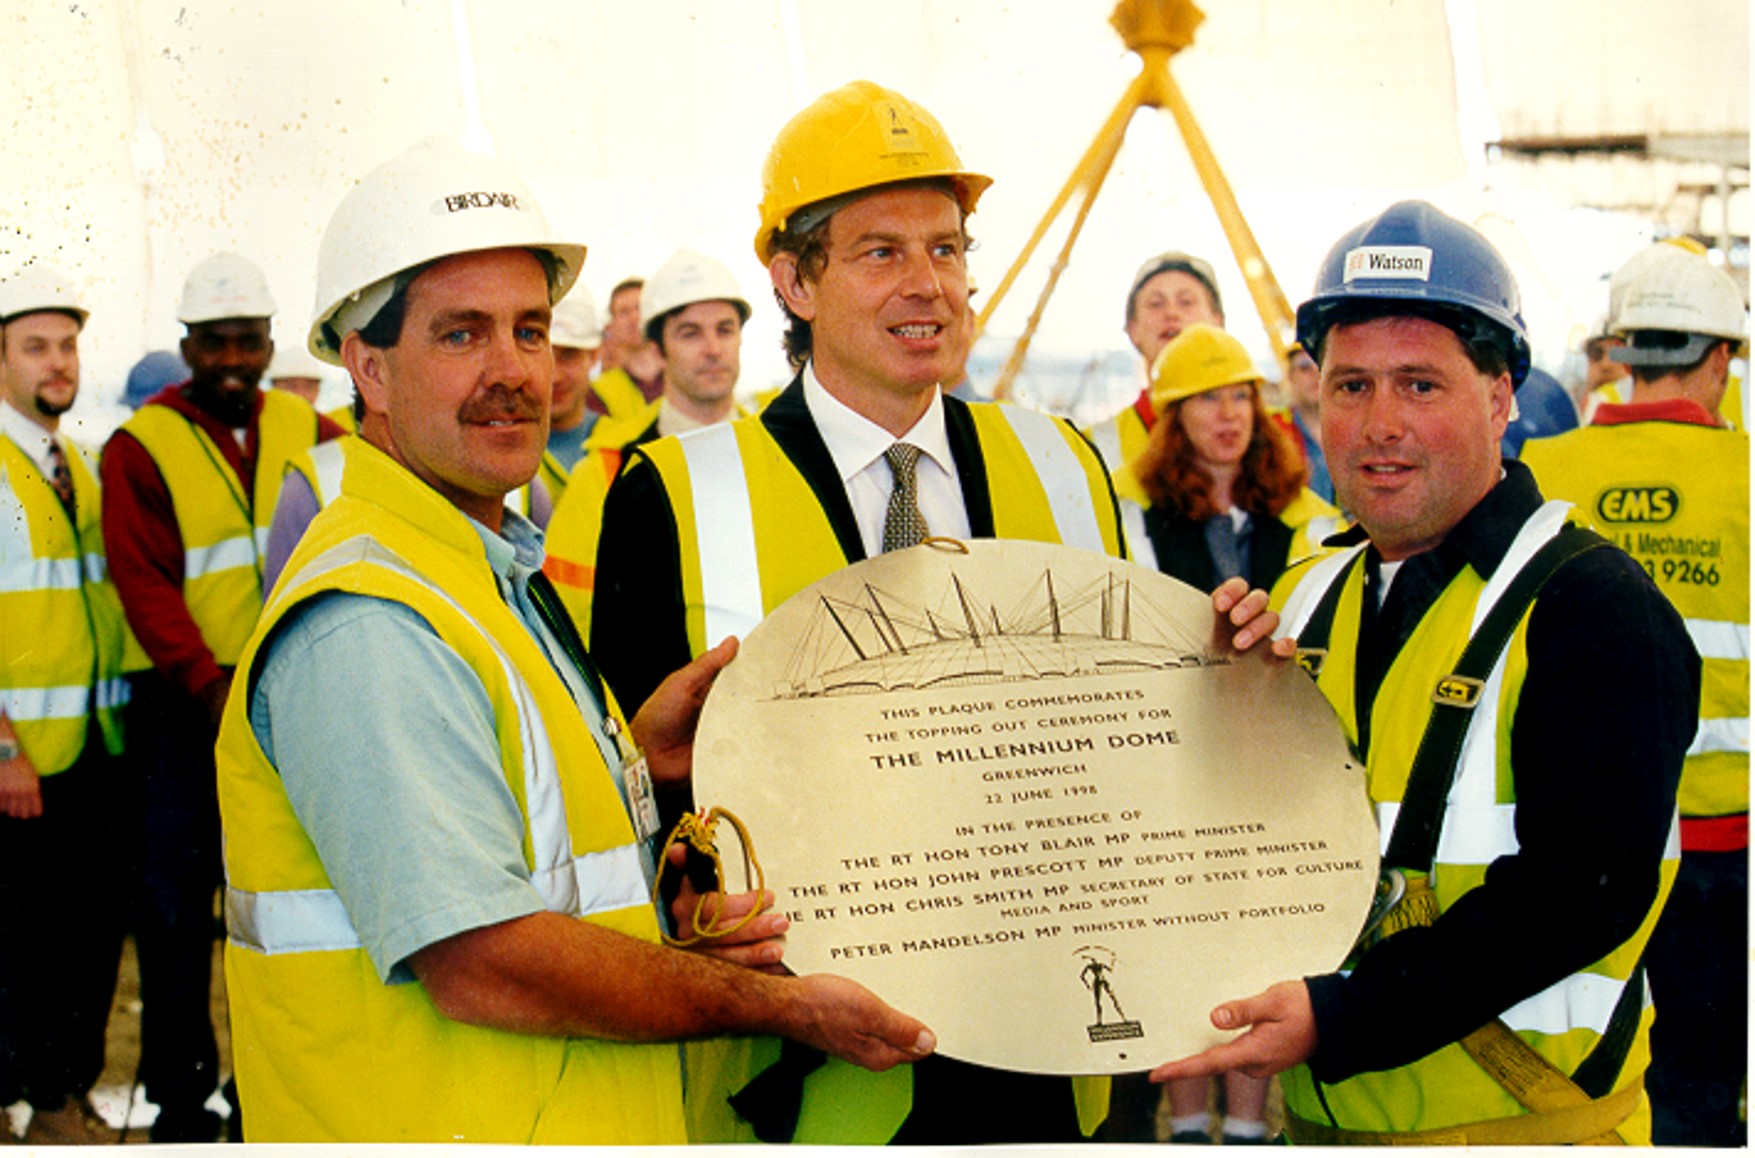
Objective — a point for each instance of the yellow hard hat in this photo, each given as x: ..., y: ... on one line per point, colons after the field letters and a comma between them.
x: 1199, y: 359
x: 860, y: 136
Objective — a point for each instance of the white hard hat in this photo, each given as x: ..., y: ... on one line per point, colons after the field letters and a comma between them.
x: 38, y: 287
x: 433, y: 201
x: 576, y: 324
x: 225, y: 286
x: 687, y: 277
x: 292, y: 361
x: 1674, y: 290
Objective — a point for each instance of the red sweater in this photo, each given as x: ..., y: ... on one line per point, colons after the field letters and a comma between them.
x: 145, y: 545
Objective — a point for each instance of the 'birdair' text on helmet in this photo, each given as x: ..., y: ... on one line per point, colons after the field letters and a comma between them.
x: 1412, y: 258
x: 434, y: 201
x: 861, y: 136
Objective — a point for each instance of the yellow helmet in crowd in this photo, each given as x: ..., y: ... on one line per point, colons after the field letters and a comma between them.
x: 1200, y: 358
x: 858, y: 137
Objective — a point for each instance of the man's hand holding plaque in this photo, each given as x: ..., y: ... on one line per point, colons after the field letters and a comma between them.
x: 1038, y: 798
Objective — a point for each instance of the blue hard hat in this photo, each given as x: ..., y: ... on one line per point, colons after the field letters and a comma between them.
x: 151, y: 374
x: 1413, y: 259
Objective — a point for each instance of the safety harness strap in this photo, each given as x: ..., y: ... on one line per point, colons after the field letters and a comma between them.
x: 1585, y: 1123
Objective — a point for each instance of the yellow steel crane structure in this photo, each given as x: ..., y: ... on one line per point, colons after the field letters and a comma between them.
x: 1155, y: 31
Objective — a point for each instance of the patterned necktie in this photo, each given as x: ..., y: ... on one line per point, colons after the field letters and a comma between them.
x: 903, y: 524
x: 60, y: 477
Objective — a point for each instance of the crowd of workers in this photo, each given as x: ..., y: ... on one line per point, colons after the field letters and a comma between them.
x: 439, y: 747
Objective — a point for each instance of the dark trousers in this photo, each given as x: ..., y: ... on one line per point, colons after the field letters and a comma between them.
x: 62, y: 919
x: 170, y: 743
x: 1698, y: 963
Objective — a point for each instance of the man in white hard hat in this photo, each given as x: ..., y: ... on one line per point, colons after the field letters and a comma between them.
x: 61, y: 833
x: 576, y: 337
x: 190, y: 483
x: 294, y: 369
x: 437, y: 827
x: 1663, y: 477
x: 863, y: 236
x: 693, y: 312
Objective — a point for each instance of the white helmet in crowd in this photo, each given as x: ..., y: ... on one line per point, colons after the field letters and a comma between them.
x: 1671, y: 290
x: 576, y: 324
x: 687, y: 277
x: 36, y: 288
x: 433, y: 201
x: 225, y: 286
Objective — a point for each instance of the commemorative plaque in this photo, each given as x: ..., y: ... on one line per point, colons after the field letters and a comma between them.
x: 1025, y: 793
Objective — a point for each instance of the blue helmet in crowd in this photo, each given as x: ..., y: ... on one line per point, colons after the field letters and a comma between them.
x: 1412, y: 259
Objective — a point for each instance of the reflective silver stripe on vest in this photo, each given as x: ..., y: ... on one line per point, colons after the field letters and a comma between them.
x: 1581, y: 1001
x: 308, y: 920
x: 1477, y: 825
x: 1062, y: 474
x: 1139, y: 542
x: 1719, y: 639
x: 725, y: 533
x: 1106, y: 437
x: 1302, y: 603
x: 1320, y: 528
x: 328, y: 461
x: 39, y: 575
x: 231, y: 554
x: 1721, y: 734
x: 114, y: 693
x: 57, y: 703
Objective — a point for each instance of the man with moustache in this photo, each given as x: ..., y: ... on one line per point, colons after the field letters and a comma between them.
x: 190, y: 483
x: 1464, y: 637
x: 61, y: 645
x: 437, y: 829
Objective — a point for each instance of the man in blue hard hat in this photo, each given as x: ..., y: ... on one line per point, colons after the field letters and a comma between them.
x: 1463, y: 635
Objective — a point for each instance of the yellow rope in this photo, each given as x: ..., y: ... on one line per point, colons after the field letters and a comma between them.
x: 697, y: 831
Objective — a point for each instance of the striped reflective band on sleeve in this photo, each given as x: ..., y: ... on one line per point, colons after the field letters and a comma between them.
x: 226, y: 555
x: 1063, y: 476
x: 60, y: 703
x: 39, y: 575
x: 725, y: 533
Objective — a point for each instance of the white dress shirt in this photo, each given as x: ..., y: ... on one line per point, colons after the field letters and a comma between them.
x: 857, y: 445
x: 29, y: 437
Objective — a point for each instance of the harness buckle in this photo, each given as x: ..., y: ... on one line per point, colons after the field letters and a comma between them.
x: 1458, y: 691
x: 1310, y: 659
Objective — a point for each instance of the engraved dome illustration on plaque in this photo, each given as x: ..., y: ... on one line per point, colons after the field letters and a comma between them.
x: 1025, y: 793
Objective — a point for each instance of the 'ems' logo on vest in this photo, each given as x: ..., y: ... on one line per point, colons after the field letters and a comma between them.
x: 1655, y: 504
x: 457, y: 202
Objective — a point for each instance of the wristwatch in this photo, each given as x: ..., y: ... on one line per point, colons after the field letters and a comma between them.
x: 9, y: 749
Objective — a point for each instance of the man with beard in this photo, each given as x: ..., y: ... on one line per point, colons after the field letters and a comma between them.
x: 60, y: 664
x: 189, y: 488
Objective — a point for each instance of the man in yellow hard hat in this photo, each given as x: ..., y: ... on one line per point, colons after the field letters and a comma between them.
x: 437, y: 856
x: 1663, y: 476
x: 863, y: 233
